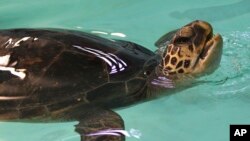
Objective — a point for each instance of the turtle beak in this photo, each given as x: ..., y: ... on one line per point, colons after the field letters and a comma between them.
x: 210, y: 57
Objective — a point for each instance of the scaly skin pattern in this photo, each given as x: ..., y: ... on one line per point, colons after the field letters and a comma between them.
x: 190, y: 50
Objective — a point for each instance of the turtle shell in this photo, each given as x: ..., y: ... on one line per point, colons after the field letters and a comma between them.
x: 49, y: 71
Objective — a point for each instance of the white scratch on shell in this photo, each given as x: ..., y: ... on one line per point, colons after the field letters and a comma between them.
x: 11, y: 97
x: 18, y: 42
x: 4, y: 60
x: 99, y: 32
x: 19, y: 73
x: 118, y: 34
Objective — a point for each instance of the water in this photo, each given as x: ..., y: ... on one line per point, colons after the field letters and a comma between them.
x: 203, y: 112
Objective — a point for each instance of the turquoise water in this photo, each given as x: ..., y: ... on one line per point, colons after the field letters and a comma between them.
x: 202, y: 113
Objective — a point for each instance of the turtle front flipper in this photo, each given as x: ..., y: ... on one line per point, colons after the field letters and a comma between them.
x: 100, y: 125
x: 165, y: 39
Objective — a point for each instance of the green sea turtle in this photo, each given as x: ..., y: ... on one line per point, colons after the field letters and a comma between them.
x: 64, y: 75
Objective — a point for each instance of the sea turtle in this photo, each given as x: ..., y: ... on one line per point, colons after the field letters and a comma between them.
x: 64, y: 75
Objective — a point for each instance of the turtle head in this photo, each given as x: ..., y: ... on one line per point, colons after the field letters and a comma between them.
x: 193, y: 50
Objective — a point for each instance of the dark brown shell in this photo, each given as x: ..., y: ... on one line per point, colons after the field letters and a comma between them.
x: 62, y: 69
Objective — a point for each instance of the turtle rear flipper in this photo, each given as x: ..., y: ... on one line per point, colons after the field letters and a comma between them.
x: 100, y: 125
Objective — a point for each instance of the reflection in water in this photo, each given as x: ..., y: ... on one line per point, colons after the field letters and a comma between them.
x: 99, y: 32
x: 110, y: 132
x: 118, y: 34
x: 216, y: 13
x: 163, y: 82
x: 131, y: 133
x: 116, y: 64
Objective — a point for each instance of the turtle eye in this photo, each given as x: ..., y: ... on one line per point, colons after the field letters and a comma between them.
x: 182, y: 40
x: 147, y: 73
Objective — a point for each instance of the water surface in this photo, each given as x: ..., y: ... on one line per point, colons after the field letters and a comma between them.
x: 203, y: 112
